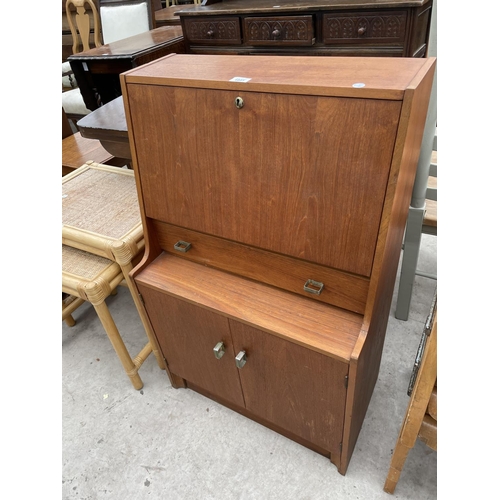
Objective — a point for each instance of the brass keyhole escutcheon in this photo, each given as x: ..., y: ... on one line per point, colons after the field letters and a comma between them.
x: 238, y: 102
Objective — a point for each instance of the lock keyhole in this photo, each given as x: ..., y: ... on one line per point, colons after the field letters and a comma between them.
x: 238, y: 102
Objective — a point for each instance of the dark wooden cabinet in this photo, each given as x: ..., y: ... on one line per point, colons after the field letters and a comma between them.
x: 395, y: 28
x: 274, y: 194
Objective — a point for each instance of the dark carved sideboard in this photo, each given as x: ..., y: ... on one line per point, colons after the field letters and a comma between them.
x: 393, y: 28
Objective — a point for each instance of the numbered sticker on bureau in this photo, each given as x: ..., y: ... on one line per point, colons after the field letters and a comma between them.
x: 240, y: 79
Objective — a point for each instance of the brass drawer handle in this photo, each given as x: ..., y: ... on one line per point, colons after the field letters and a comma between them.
x: 182, y: 246
x: 314, y: 287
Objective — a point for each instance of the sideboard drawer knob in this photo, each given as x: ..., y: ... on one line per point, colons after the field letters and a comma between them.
x: 241, y: 359
x: 210, y: 33
x: 276, y: 33
x: 219, y: 350
x: 362, y: 30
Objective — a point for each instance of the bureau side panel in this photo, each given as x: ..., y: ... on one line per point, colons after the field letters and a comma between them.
x: 368, y: 351
x: 303, y: 176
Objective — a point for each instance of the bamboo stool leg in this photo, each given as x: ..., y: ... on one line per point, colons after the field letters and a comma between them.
x: 69, y: 305
x: 123, y: 256
x: 93, y: 278
x: 70, y: 321
x: 115, y: 338
x: 96, y: 292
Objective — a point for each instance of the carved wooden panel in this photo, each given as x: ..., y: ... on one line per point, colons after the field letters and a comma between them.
x: 388, y: 26
x: 288, y: 30
x: 216, y: 30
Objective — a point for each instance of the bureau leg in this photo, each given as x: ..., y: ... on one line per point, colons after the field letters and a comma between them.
x: 176, y: 381
x: 342, y: 468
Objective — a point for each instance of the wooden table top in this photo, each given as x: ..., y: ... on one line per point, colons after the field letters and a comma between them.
x: 108, y: 124
x: 252, y: 6
x: 168, y: 17
x: 132, y: 46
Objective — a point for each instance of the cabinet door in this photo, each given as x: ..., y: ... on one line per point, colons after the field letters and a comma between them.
x: 298, y: 389
x: 187, y: 335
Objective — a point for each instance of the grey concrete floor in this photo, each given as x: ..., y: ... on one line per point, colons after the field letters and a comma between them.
x: 159, y: 442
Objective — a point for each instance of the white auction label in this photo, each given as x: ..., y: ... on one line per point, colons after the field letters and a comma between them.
x: 240, y: 79
x: 358, y: 85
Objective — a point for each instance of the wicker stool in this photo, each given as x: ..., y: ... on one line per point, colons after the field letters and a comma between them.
x: 92, y: 278
x: 101, y: 216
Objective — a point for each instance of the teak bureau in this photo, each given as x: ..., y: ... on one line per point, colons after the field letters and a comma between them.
x: 274, y: 193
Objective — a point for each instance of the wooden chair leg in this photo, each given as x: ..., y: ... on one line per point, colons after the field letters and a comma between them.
x: 415, y: 413
x: 397, y: 464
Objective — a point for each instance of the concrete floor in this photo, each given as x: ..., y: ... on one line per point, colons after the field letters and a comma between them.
x: 159, y: 442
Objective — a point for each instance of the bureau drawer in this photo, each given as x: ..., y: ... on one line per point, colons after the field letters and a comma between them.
x: 304, y: 278
x: 282, y: 30
x: 213, y: 30
x: 369, y: 27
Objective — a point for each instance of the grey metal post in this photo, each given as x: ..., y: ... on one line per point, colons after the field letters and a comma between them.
x: 413, y: 234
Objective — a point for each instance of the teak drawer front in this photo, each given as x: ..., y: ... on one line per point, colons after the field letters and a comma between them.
x: 339, y: 28
x: 282, y: 30
x: 339, y: 288
x: 314, y: 189
x: 213, y: 30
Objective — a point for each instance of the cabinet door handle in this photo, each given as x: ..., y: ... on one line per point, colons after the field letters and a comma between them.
x: 219, y: 350
x: 241, y: 359
x: 312, y: 286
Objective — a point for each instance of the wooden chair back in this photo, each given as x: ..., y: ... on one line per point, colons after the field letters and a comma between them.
x: 124, y: 18
x: 84, y: 23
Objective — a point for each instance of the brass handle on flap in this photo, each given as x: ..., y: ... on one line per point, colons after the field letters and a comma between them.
x: 182, y: 246
x: 314, y: 287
